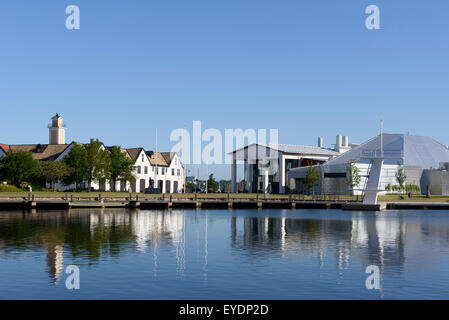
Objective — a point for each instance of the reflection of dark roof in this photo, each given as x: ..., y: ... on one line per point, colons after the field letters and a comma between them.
x: 416, y: 151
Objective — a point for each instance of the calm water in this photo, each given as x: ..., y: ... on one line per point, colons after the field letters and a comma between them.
x: 220, y: 254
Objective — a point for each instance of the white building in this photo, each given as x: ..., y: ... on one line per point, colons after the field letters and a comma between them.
x: 417, y: 155
x: 162, y: 170
x: 266, y: 167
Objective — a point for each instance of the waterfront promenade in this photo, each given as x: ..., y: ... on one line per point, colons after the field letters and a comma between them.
x: 30, y: 201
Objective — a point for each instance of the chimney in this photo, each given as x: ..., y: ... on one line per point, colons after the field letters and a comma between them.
x: 339, y: 142
x: 320, y: 142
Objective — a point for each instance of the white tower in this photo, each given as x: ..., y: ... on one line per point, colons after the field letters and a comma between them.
x: 57, y: 130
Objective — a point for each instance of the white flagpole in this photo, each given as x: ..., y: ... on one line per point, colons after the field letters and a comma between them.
x: 381, y: 136
x: 156, y: 181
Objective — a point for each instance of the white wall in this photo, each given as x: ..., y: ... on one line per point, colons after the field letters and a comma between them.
x: 165, y: 177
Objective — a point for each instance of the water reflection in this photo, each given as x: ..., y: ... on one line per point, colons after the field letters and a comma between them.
x: 373, y: 239
x: 92, y: 235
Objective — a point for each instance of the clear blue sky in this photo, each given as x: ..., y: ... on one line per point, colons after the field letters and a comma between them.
x: 308, y: 68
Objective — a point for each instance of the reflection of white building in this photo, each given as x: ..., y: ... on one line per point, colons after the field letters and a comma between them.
x: 387, y: 231
x: 379, y: 239
x: 147, y: 226
x: 149, y: 229
x: 55, y: 261
x: 152, y: 226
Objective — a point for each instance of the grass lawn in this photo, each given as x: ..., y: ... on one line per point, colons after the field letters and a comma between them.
x: 414, y: 198
x: 93, y: 194
x: 51, y: 194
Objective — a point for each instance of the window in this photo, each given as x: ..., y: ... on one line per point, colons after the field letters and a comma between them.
x: 139, y: 169
x: 178, y: 172
x: 163, y: 171
x: 152, y: 169
x: 172, y: 172
x: 146, y: 170
x: 335, y: 174
x: 143, y: 157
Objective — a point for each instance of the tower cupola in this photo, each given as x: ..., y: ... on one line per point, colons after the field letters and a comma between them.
x: 56, y: 130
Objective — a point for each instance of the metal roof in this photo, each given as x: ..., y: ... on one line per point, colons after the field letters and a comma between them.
x: 295, y: 149
x: 416, y: 151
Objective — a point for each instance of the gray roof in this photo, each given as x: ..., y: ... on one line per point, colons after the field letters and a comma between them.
x: 294, y: 149
x: 285, y: 148
x: 409, y: 150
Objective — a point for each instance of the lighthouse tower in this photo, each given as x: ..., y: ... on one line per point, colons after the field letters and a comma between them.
x: 57, y: 130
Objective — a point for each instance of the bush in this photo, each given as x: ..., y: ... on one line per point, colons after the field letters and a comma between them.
x: 412, y: 188
x: 9, y: 188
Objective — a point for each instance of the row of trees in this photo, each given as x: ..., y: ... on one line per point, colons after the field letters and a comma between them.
x: 84, y: 163
x: 212, y: 185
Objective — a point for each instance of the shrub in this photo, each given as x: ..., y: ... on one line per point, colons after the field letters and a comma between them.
x: 412, y: 188
x: 9, y: 188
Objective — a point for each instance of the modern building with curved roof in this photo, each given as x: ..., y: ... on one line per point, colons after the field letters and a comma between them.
x: 418, y: 155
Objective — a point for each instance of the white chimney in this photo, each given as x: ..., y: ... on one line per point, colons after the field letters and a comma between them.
x: 345, y: 141
x: 320, y: 142
x: 339, y: 142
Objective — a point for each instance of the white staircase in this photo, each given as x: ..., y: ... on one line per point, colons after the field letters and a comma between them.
x: 372, y: 185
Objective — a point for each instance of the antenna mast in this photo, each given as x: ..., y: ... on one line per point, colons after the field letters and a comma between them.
x: 381, y: 136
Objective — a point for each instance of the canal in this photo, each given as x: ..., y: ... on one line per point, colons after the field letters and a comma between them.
x: 224, y: 254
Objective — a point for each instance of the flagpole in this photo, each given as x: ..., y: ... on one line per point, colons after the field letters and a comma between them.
x: 381, y: 136
x: 157, y: 184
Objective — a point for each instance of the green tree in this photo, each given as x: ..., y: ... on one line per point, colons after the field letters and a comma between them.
x: 212, y: 184
x: 225, y: 185
x: 2, y: 170
x: 77, y: 162
x: 401, y: 177
x: 19, y: 167
x: 98, y: 163
x: 121, y: 167
x: 190, y: 187
x: 354, y: 178
x: 312, y: 178
x: 54, y: 171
